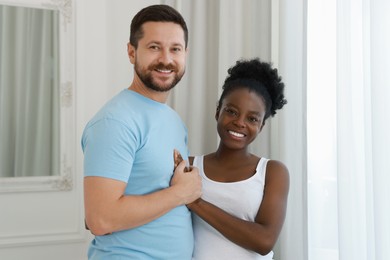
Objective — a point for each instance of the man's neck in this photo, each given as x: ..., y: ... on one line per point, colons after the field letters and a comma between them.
x: 149, y: 93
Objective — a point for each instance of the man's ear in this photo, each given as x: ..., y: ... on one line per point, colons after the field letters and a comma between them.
x: 131, y: 53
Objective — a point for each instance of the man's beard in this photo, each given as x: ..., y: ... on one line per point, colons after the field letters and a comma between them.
x: 147, y: 79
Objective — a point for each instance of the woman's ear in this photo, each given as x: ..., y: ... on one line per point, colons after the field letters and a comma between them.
x: 131, y: 52
x: 217, y: 113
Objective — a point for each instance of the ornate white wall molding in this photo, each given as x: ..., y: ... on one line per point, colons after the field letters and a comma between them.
x: 65, y: 9
x: 66, y: 94
x: 65, y: 182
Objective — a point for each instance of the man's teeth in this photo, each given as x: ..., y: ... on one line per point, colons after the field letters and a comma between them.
x: 236, y: 134
x: 164, y: 71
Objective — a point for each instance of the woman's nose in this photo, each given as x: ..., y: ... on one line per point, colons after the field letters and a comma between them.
x: 239, y: 121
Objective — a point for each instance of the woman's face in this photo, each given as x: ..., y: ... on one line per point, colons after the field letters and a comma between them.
x: 240, y: 118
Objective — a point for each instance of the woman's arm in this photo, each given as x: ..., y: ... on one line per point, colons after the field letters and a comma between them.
x: 259, y: 236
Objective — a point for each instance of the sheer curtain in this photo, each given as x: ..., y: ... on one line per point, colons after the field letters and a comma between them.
x: 29, y: 98
x: 348, y: 129
x: 220, y: 33
x: 290, y: 136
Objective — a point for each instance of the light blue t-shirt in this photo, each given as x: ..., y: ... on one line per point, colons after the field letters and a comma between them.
x: 131, y: 139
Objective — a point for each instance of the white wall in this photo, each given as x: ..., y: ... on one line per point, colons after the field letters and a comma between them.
x: 103, y: 68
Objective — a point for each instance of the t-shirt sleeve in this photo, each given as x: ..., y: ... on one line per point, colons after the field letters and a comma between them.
x: 109, y: 150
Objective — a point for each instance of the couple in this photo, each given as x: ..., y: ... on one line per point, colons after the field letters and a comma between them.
x: 229, y: 205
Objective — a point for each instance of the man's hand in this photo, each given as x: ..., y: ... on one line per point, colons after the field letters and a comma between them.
x: 186, y: 180
x: 178, y: 159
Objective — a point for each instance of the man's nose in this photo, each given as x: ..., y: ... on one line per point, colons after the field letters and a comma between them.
x: 165, y: 57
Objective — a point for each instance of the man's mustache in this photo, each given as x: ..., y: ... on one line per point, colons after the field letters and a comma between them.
x: 161, y: 66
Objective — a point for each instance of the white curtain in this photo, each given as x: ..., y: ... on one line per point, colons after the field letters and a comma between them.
x: 220, y: 33
x: 348, y: 129
x: 29, y: 92
x: 289, y: 138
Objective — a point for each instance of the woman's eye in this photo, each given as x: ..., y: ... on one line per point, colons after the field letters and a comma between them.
x: 230, y: 111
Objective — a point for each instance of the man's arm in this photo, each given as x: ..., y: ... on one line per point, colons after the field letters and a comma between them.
x: 107, y: 209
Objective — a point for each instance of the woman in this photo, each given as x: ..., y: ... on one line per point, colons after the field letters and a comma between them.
x: 243, y: 206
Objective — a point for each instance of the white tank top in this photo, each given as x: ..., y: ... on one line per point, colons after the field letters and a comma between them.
x: 241, y: 199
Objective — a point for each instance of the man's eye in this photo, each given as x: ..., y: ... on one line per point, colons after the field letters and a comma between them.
x: 154, y: 47
x: 176, y: 49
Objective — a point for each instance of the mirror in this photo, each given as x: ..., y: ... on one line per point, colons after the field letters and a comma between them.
x: 36, y: 96
x: 29, y: 84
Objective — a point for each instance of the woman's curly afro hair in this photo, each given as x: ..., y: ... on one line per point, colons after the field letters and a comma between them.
x: 257, y: 76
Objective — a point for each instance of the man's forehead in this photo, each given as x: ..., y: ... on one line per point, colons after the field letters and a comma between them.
x: 163, y: 32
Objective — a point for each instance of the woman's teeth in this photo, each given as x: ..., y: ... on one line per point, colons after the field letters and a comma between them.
x: 236, y: 134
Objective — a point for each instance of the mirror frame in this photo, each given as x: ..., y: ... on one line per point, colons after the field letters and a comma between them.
x: 64, y: 181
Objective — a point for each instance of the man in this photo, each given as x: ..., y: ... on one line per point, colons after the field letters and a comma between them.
x: 134, y: 198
